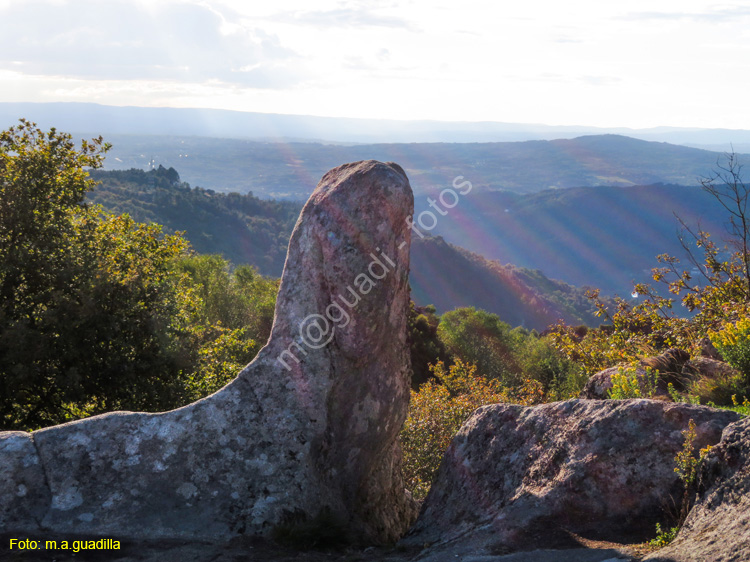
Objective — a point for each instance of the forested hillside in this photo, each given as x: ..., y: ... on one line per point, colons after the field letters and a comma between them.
x: 243, y: 228
x: 248, y: 230
x: 450, y: 277
x: 607, y: 237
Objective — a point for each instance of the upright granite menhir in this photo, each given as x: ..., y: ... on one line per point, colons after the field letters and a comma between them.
x: 309, y: 426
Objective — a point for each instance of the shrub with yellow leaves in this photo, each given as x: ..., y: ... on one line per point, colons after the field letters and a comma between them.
x: 733, y: 342
x: 437, y: 411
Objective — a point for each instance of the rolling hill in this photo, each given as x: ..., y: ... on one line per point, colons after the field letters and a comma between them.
x: 606, y: 237
x: 243, y: 228
x: 450, y: 277
x: 95, y: 119
x: 290, y: 170
x: 246, y: 229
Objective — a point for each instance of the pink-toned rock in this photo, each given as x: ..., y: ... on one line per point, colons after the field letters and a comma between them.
x: 718, y: 526
x: 517, y: 478
x: 309, y: 428
x: 708, y: 367
x: 666, y: 368
x: 599, y: 385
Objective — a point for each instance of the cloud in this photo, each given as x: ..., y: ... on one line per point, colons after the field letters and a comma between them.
x: 717, y: 15
x: 589, y: 80
x: 345, y: 17
x: 125, y: 40
x: 599, y: 80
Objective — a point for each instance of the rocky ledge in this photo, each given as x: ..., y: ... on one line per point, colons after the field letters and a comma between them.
x: 553, y: 476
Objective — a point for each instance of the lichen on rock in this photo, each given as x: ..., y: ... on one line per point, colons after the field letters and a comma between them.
x: 718, y: 526
x: 310, y: 425
x: 517, y: 478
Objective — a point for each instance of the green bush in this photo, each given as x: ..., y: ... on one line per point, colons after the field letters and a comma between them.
x: 628, y: 383
x: 733, y: 342
x: 436, y: 413
x: 663, y: 536
x: 99, y: 312
x: 741, y: 408
x: 687, y: 466
x: 426, y: 349
x: 482, y: 339
x: 717, y: 390
x: 540, y: 361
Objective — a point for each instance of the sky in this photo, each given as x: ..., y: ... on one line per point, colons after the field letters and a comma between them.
x: 598, y: 63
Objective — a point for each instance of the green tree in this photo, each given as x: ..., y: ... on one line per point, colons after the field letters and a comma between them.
x: 425, y: 347
x: 43, y: 182
x: 233, y: 297
x: 110, y: 331
x: 99, y: 312
x: 482, y: 339
x: 232, y: 320
x: 540, y: 361
x: 42, y: 186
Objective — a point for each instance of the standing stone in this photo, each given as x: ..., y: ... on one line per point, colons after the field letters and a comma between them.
x: 309, y: 428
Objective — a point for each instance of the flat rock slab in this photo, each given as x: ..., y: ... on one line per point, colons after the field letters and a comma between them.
x: 516, y: 477
x: 24, y: 494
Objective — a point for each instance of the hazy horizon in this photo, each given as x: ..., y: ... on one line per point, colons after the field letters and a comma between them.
x: 587, y: 64
x: 95, y: 119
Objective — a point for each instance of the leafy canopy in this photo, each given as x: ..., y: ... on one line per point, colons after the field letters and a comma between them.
x: 99, y: 312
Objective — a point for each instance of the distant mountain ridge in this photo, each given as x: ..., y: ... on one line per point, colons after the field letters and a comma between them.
x: 266, y: 162
x: 291, y: 170
x: 249, y: 230
x: 607, y: 237
x: 97, y: 119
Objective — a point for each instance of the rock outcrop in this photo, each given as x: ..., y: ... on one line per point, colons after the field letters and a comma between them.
x: 668, y: 368
x: 308, y: 428
x: 599, y: 384
x: 24, y: 495
x: 518, y: 478
x: 718, y: 526
x: 709, y: 368
x: 707, y: 349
